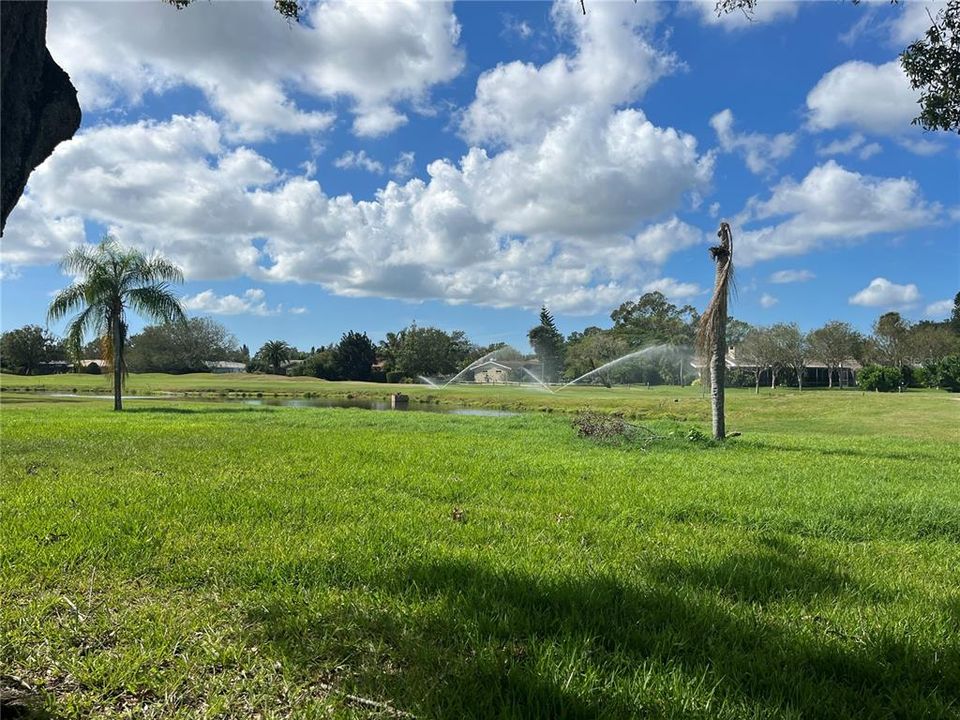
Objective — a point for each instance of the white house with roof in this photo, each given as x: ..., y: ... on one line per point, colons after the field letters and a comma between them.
x: 491, y: 372
x: 225, y: 366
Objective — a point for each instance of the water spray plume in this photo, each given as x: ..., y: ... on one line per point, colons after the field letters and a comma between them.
x: 469, y: 367
x: 612, y: 363
x: 540, y: 382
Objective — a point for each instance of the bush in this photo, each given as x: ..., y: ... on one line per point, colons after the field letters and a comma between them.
x: 93, y: 369
x: 879, y: 378
x: 946, y: 374
x: 908, y: 377
x: 394, y: 376
x: 925, y: 376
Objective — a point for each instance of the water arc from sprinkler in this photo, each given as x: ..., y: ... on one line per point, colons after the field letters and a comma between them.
x: 612, y: 363
x: 540, y: 382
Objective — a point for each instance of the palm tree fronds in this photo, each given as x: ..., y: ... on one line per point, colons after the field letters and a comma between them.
x: 157, y: 302
x: 66, y: 301
x: 91, y: 320
x: 158, y: 269
x: 82, y: 260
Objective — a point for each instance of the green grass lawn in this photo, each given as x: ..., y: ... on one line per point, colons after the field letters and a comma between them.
x: 210, y: 560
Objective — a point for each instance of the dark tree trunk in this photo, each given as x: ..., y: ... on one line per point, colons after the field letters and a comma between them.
x: 718, y: 378
x: 38, y: 107
x: 117, y: 366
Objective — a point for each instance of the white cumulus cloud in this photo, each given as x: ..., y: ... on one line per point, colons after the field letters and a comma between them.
x: 673, y: 289
x: 875, y: 99
x: 246, y: 58
x: 939, y: 309
x: 252, y: 302
x: 470, y: 232
x: 760, y: 152
x: 615, y: 62
x: 831, y: 204
x: 403, y: 167
x: 360, y: 159
x: 883, y: 293
x: 854, y: 144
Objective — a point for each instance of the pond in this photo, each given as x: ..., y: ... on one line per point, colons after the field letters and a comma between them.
x: 300, y: 402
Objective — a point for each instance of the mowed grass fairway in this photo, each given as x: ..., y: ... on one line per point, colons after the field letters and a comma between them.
x: 212, y: 560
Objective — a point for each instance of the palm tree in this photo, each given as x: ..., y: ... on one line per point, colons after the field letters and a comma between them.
x: 113, y: 278
x: 712, y: 332
x: 275, y: 353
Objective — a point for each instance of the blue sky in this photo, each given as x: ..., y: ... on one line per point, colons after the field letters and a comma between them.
x: 458, y: 165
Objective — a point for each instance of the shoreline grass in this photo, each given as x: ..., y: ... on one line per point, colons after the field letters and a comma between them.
x: 916, y: 413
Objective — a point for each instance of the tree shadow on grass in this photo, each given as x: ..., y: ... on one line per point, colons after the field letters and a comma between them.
x: 453, y: 638
x: 763, y: 575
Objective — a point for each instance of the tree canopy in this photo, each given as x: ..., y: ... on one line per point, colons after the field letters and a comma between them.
x: 25, y: 350
x: 354, y: 356
x: 548, y: 344
x: 426, y: 351
x: 182, y: 347
x: 273, y: 355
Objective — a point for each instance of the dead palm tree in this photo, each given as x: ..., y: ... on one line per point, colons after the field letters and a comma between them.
x: 712, y: 332
x: 112, y: 279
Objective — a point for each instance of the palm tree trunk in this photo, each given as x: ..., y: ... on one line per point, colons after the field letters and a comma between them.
x: 117, y: 369
x: 712, y: 333
x: 718, y: 373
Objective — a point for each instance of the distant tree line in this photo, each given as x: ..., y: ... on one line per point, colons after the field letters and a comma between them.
x: 895, y: 354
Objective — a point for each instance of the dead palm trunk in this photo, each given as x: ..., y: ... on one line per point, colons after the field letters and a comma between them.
x: 712, y: 333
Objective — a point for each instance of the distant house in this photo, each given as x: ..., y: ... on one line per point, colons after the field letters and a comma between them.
x: 503, y: 371
x: 102, y: 364
x: 814, y: 373
x: 54, y: 367
x: 491, y: 372
x: 225, y: 366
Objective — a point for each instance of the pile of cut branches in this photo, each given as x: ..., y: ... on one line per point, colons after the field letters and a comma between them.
x: 608, y: 428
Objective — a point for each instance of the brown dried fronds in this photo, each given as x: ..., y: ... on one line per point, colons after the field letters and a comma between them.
x: 714, y: 318
x: 599, y: 426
